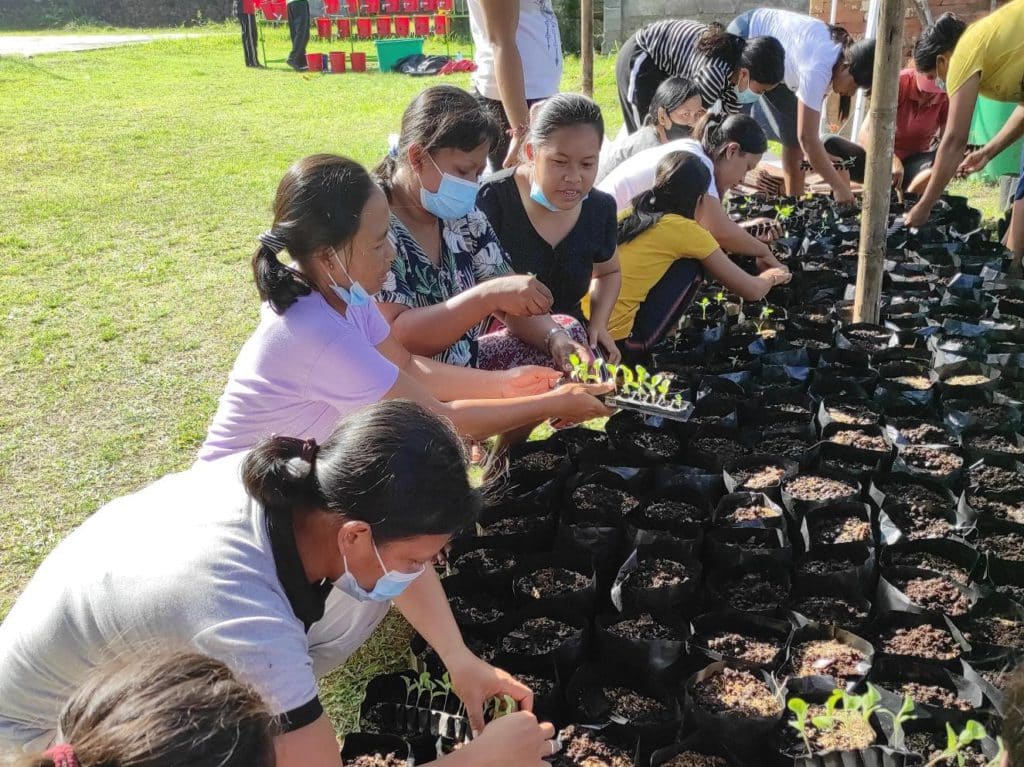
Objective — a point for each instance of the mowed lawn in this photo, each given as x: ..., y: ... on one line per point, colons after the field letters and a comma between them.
x: 133, y: 184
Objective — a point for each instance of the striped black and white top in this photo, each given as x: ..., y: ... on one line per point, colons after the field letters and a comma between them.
x: 672, y: 46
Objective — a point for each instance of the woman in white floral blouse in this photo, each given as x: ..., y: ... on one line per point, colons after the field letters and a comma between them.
x: 451, y: 277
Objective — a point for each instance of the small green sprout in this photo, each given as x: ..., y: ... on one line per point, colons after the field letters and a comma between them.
x: 799, y: 708
x: 503, y: 706
x: 720, y: 297
x: 783, y: 212
x: 762, y: 319
x: 905, y: 714
x: 704, y: 303
x: 956, y: 743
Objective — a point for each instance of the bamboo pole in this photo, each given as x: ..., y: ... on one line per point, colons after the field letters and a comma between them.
x: 878, y: 173
x: 587, y: 45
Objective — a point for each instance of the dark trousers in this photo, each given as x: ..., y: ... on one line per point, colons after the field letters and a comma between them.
x: 248, y: 22
x: 636, y: 88
x: 914, y: 165
x: 497, y: 111
x: 298, y: 25
x: 664, y: 306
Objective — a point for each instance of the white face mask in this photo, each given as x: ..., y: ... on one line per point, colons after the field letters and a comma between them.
x: 388, y: 586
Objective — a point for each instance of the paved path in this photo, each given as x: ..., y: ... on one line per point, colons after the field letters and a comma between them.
x: 33, y: 45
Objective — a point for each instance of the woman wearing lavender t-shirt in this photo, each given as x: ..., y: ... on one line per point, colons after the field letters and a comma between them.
x: 322, y: 349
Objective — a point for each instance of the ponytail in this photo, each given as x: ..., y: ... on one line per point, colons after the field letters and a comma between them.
x: 715, y: 130
x: 840, y: 35
x: 384, y: 173
x: 276, y: 283
x: 716, y: 43
x: 681, y: 180
x: 279, y: 474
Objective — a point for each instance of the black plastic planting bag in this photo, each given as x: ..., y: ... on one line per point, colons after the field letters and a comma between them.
x: 730, y: 512
x: 652, y: 522
x: 738, y: 474
x: 846, y: 567
x: 892, y: 389
x: 756, y: 591
x: 951, y: 557
x: 798, y: 503
x: 762, y: 628
x: 707, y: 483
x: 549, y: 703
x: 549, y: 649
x: 725, y: 727
x: 889, y: 674
x: 646, y: 439
x: 519, y: 525
x: 662, y: 601
x: 991, y: 674
x: 661, y: 658
x: 729, y: 547
x: 580, y: 601
x: 700, y: 745
x: 824, y: 668
x: 477, y: 610
x: 369, y: 744
x: 887, y: 624
x: 537, y: 468
x: 890, y: 597
x: 858, y: 463
x: 836, y: 523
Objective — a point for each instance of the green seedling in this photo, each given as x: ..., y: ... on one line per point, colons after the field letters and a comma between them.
x: 443, y: 690
x: 784, y: 212
x: 503, y: 706
x: 957, y: 743
x: 412, y: 684
x: 898, y: 719
x: 704, y: 303
x: 800, y: 708
x: 762, y: 319
x: 720, y: 297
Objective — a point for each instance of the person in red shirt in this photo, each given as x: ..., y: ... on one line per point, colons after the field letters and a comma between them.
x: 921, y: 113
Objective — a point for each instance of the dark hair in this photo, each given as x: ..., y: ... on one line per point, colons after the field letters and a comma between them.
x: 167, y: 709
x: 318, y: 204
x: 765, y: 59
x: 670, y: 94
x: 564, y: 110
x: 681, y: 179
x: 440, y: 117
x: 938, y: 38
x: 394, y: 465
x: 715, y: 130
x: 716, y: 43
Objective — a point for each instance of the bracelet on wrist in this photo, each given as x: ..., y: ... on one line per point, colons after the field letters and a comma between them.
x: 518, y: 131
x: 550, y: 336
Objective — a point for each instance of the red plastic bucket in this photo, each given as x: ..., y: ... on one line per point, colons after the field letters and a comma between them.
x: 249, y: 6
x: 422, y: 26
x: 323, y: 29
x: 440, y: 25
x: 315, y: 62
x: 331, y: 7
x: 410, y: 6
x: 383, y: 26
x: 363, y: 28
x: 444, y: 5
x: 401, y: 26
x: 358, y: 62
x: 428, y: 5
x: 344, y: 28
x: 392, y: 6
x: 337, y: 62
x: 353, y: 7
x: 372, y: 7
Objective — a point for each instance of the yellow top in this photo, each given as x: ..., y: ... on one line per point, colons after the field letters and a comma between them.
x: 993, y: 46
x: 645, y: 259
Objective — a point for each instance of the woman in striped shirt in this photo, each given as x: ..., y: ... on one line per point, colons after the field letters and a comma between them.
x: 724, y: 67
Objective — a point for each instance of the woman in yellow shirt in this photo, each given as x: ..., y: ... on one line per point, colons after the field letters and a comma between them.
x: 984, y: 58
x: 664, y: 254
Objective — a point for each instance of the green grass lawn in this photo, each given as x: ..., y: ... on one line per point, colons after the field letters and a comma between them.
x: 133, y: 184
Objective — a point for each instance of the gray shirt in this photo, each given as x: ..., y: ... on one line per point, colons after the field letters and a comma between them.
x: 644, y: 138
x: 186, y: 561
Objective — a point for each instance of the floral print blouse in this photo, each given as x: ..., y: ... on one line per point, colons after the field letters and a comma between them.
x: 470, y: 254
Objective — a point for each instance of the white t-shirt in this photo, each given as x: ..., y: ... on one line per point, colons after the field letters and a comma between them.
x: 811, y: 53
x: 637, y: 173
x: 186, y: 561
x: 299, y: 373
x: 540, y: 47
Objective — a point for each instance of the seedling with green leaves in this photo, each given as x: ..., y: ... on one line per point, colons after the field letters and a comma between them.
x: 898, y: 718
x: 855, y: 709
x: 957, y: 744
x: 502, y: 705
x: 704, y: 303
x: 762, y: 318
x: 784, y: 212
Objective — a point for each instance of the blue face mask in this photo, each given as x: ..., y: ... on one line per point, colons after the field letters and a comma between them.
x: 747, y: 97
x: 538, y: 196
x: 454, y: 198
x: 940, y: 83
x: 388, y: 586
x: 354, y: 295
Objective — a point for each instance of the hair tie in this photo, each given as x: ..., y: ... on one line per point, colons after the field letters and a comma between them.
x: 63, y: 755
x: 393, y: 139
x: 309, y: 451
x: 272, y: 241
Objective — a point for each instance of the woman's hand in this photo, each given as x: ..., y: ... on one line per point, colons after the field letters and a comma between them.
x: 475, y: 682
x: 575, y: 403
x: 897, y: 172
x: 515, y: 740
x: 764, y: 229
x: 769, y: 261
x: 843, y: 195
x: 527, y: 380
x: 518, y: 294
x: 563, y: 347
x: 917, y: 216
x: 973, y: 162
x: 601, y: 341
x: 777, y: 276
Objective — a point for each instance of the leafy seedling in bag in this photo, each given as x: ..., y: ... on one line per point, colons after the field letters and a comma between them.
x: 957, y: 743
x: 762, y: 320
x: 898, y: 718
x: 800, y: 710
x: 855, y: 712
x: 704, y: 303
